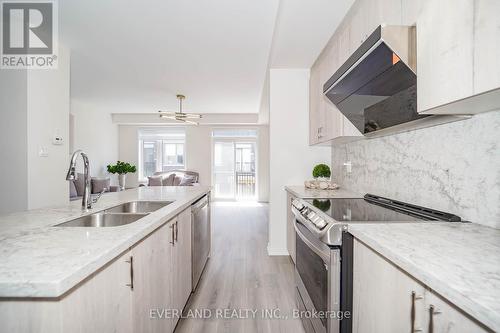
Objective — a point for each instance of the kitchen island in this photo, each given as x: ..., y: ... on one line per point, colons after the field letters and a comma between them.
x: 53, y: 271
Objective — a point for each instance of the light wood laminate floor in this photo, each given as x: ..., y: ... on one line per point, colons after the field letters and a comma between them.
x: 240, y: 275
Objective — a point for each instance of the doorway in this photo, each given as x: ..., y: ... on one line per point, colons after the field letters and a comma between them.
x: 234, y: 165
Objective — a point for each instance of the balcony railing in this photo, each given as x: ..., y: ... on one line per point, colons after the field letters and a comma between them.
x: 245, y: 184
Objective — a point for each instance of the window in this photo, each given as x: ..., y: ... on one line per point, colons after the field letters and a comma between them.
x: 161, y: 149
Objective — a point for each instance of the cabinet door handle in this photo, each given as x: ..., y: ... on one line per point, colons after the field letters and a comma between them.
x: 176, y: 230
x: 172, y: 227
x: 414, y: 297
x: 131, y: 262
x: 432, y: 312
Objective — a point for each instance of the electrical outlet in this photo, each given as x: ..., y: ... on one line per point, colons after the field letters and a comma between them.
x: 57, y: 139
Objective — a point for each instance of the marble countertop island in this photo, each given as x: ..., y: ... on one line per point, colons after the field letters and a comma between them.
x: 40, y: 260
x: 459, y: 261
x: 300, y: 191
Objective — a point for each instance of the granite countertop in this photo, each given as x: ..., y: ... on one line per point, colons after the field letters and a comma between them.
x: 39, y: 260
x: 459, y: 261
x: 300, y: 191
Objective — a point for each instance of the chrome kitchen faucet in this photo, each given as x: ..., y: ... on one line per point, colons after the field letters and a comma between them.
x: 87, y: 200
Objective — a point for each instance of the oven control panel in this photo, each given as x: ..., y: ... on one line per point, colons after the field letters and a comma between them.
x: 309, y: 215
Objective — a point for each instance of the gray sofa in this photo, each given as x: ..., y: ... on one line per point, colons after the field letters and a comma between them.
x: 97, y: 185
x: 174, y: 178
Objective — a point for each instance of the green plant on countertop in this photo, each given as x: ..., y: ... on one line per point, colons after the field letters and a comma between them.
x: 321, y: 171
x: 121, y: 168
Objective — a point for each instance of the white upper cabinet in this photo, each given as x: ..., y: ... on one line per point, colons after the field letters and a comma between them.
x: 366, y: 15
x: 486, y: 45
x: 326, y: 123
x: 444, y: 52
x: 457, y: 56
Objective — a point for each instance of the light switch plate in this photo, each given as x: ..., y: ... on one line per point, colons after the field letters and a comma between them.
x: 43, y: 151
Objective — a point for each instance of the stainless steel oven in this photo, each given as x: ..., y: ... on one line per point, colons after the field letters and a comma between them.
x: 324, y: 252
x: 317, y: 274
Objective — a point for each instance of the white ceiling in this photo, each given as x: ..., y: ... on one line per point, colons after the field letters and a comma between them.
x: 303, y: 27
x: 135, y: 56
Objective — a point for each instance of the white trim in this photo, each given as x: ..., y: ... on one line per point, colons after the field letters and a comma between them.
x: 276, y: 251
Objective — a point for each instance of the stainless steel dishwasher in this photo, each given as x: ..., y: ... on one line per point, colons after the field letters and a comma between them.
x: 201, y: 236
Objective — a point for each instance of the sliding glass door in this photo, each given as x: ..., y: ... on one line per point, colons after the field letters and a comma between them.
x: 235, y: 166
x: 245, y: 170
x: 224, y: 177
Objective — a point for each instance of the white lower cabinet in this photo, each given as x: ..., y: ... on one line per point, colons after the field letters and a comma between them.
x: 181, y: 263
x: 152, y: 280
x: 382, y: 295
x: 102, y: 303
x: 130, y: 294
x: 386, y: 299
x: 443, y: 317
x: 162, y: 275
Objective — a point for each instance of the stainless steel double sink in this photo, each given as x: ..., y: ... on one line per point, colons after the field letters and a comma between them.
x: 116, y: 216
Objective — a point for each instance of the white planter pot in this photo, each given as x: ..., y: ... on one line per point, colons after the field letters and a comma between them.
x: 121, y: 181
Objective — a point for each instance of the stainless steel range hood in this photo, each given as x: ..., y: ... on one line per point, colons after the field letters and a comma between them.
x: 376, y: 88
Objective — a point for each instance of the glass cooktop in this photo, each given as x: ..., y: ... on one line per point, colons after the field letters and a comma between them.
x: 348, y: 210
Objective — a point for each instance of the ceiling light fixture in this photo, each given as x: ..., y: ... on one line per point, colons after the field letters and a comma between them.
x: 180, y: 116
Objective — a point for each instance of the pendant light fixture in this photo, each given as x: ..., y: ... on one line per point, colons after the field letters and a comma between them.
x: 180, y: 116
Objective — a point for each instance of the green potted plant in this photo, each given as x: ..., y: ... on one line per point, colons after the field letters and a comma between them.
x: 121, y: 168
x: 322, y: 172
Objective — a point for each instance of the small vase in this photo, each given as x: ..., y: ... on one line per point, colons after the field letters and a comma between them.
x: 121, y: 181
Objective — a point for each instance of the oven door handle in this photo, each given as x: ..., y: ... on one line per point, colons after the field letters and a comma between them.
x: 322, y: 250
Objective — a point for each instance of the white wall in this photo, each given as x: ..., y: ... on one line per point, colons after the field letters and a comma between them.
x: 128, y: 150
x: 263, y: 164
x: 48, y: 114
x: 292, y: 159
x: 198, y: 153
x: 13, y: 141
x: 34, y: 105
x: 97, y: 135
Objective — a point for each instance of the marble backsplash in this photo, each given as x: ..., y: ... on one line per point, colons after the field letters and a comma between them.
x: 453, y: 167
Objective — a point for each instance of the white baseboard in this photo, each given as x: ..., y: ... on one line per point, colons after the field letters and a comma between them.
x: 277, y: 251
